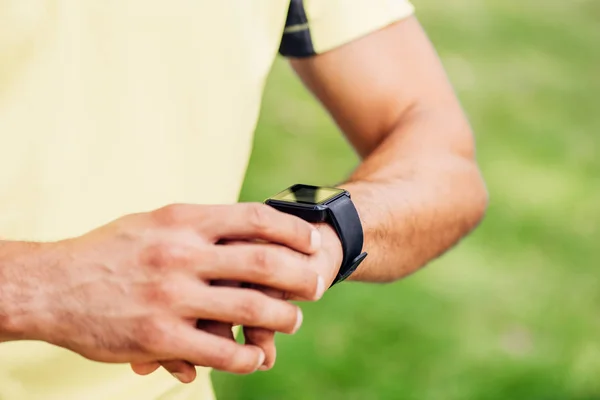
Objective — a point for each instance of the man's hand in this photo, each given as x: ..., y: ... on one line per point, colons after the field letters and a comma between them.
x: 326, y: 262
x: 132, y: 290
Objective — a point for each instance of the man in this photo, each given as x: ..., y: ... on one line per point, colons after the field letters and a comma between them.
x: 141, y: 113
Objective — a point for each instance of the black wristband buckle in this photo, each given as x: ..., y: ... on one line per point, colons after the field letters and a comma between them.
x: 353, y: 266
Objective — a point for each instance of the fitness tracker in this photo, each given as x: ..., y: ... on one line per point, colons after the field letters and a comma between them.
x: 332, y: 206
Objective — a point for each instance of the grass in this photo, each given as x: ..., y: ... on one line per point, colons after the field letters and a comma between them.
x: 513, y: 312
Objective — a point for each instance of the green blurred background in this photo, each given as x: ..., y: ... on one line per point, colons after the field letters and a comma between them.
x: 514, y: 311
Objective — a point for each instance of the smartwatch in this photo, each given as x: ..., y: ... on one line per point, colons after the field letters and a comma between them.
x: 332, y: 206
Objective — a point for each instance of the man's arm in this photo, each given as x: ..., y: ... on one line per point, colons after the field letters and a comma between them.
x: 418, y: 189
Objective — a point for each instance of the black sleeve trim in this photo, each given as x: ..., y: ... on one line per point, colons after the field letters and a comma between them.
x: 296, y: 40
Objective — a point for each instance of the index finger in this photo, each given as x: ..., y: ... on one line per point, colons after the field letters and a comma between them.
x: 248, y: 221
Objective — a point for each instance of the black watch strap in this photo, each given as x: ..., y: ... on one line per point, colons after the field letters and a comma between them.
x: 346, y: 222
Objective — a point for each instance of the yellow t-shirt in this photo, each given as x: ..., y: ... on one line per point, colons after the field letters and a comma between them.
x: 119, y: 106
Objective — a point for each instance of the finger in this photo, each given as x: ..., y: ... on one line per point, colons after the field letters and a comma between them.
x: 216, y: 328
x: 246, y: 307
x: 181, y: 370
x: 259, y: 221
x: 243, y: 221
x: 276, y: 294
x: 145, y: 368
x: 202, y: 348
x: 268, y: 265
x: 265, y: 339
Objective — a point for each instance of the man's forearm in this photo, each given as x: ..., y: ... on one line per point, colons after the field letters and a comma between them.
x: 418, y: 193
x: 17, y: 286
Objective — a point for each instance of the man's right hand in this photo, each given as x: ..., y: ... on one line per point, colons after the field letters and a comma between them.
x: 132, y: 290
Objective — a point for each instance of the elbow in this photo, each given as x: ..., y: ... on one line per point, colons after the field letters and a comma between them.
x: 478, y: 200
x: 479, y: 195
x: 474, y: 194
x: 468, y: 187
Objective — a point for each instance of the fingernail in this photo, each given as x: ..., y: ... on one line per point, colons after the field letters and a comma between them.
x: 179, y: 376
x: 320, y: 287
x: 315, y: 240
x: 263, y: 368
x: 261, y: 359
x: 299, y: 318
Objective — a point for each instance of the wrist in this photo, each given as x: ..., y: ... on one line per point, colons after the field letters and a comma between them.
x: 21, y: 278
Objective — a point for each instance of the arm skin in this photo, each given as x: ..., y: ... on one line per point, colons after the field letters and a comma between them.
x: 418, y: 189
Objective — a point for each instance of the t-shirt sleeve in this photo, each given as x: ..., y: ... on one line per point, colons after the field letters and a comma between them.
x: 316, y: 26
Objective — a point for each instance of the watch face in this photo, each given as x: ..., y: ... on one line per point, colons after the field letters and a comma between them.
x: 306, y: 194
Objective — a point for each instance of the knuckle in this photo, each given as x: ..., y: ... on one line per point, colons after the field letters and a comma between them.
x: 164, y: 292
x: 157, y: 255
x: 162, y: 255
x: 263, y: 261
x: 169, y: 215
x: 249, y: 309
x: 258, y: 217
x: 223, y: 357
